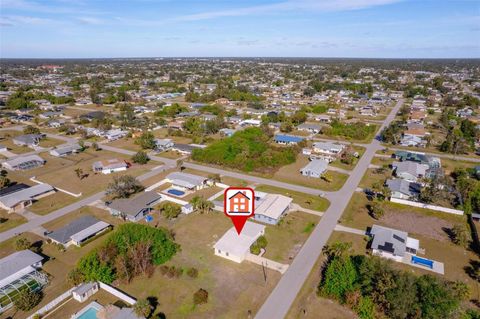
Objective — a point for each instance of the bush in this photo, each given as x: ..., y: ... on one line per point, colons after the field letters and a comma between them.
x: 26, y: 300
x: 192, y: 272
x: 170, y: 210
x: 22, y: 243
x: 258, y: 245
x: 247, y: 150
x: 200, y: 297
x: 140, y: 158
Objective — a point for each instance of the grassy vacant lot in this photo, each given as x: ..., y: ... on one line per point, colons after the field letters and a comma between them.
x: 126, y: 143
x: 286, y: 238
x: 60, y: 172
x: 411, y: 219
x: 309, y: 305
x: 9, y: 221
x: 426, y: 225
x: 291, y: 174
x: 52, y: 202
x: 305, y: 200
x: 6, y: 140
x: 233, y: 288
x: 374, y: 175
x: 350, y: 167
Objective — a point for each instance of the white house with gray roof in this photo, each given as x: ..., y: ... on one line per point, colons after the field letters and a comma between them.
x: 270, y: 208
x: 410, y: 171
x: 403, y: 189
x: 315, y: 168
x: 30, y: 140
x: 17, y: 201
x: 65, y: 150
x: 185, y: 181
x: 110, y: 166
x: 24, y: 162
x: 78, y: 231
x: 19, y: 271
x: 391, y: 243
x: 134, y: 208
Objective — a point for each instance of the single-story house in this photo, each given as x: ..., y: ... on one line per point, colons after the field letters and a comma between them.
x: 115, y: 134
x: 270, y: 208
x: 99, y: 115
x: 24, y: 162
x: 403, y: 189
x: 134, y: 208
x: 328, y: 148
x: 110, y: 166
x: 415, y: 141
x: 185, y: 149
x: 315, y: 168
x: 18, y: 200
x: 410, y: 171
x: 78, y: 231
x: 287, y: 139
x: 236, y: 247
x: 163, y: 144
x: 323, y: 118
x: 310, y: 127
x: 65, y: 149
x: 185, y: 181
x: 30, y: 140
x: 391, y: 243
x: 18, y: 271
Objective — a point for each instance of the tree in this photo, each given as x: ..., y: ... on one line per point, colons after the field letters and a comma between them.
x: 26, y: 299
x: 123, y: 187
x: 337, y: 249
x: 170, y: 210
x: 216, y: 178
x: 140, y: 158
x: 202, y: 205
x: 75, y: 277
x: 4, y: 181
x: 200, y: 297
x: 95, y: 146
x: 460, y: 235
x: 146, y: 140
x: 29, y: 129
x: 375, y: 210
x: 124, y: 268
x: 22, y: 243
x: 79, y: 173
x: 142, y: 308
x: 339, y: 278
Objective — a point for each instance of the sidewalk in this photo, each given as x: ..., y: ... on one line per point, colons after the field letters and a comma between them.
x: 350, y: 230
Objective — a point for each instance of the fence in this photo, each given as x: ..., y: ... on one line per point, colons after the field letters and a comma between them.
x: 432, y: 207
x: 117, y: 293
x: 52, y: 304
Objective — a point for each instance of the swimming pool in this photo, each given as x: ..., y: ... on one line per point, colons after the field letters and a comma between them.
x: 89, y: 311
x: 176, y: 192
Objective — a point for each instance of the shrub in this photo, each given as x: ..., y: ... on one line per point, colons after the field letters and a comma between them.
x: 192, y: 272
x: 22, y: 243
x: 258, y: 245
x: 26, y: 299
x: 140, y: 158
x: 200, y: 297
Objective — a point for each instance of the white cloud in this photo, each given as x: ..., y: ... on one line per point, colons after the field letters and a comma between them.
x: 303, y: 5
x: 13, y: 20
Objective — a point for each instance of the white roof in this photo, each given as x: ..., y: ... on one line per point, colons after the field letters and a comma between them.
x: 22, y: 159
x: 239, y: 245
x: 272, y: 205
x: 185, y: 179
x: 413, y: 243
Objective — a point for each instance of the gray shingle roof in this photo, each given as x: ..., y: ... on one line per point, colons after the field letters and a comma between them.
x: 389, y: 240
x: 185, y: 179
x: 64, y: 234
x: 12, y: 199
x: 134, y: 205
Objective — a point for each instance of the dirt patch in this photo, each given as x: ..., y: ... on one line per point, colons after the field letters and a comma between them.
x: 427, y: 226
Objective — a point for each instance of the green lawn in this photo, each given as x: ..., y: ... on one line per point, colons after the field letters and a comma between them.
x: 9, y: 221
x: 305, y: 200
x: 286, y: 238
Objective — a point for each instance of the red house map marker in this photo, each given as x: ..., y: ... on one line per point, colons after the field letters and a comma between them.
x: 239, y: 205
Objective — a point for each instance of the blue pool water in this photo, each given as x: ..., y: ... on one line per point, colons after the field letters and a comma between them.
x: 176, y: 192
x: 91, y: 313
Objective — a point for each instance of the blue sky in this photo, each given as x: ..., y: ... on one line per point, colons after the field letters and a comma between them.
x: 303, y: 28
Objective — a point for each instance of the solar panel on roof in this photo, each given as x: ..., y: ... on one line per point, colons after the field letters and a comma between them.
x: 400, y: 239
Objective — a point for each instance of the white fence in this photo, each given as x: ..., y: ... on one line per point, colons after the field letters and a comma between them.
x: 52, y: 304
x: 432, y: 207
x: 117, y: 293
x: 172, y: 199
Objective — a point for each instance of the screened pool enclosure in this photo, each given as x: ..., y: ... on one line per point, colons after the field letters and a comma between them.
x: 33, y: 281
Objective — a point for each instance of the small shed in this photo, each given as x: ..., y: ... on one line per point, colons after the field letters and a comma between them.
x: 84, y: 291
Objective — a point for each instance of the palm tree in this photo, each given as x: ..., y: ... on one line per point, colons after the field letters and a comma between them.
x: 142, y: 308
x: 79, y: 173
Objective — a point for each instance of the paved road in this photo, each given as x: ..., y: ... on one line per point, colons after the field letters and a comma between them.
x: 279, y: 301
x: 37, y: 222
